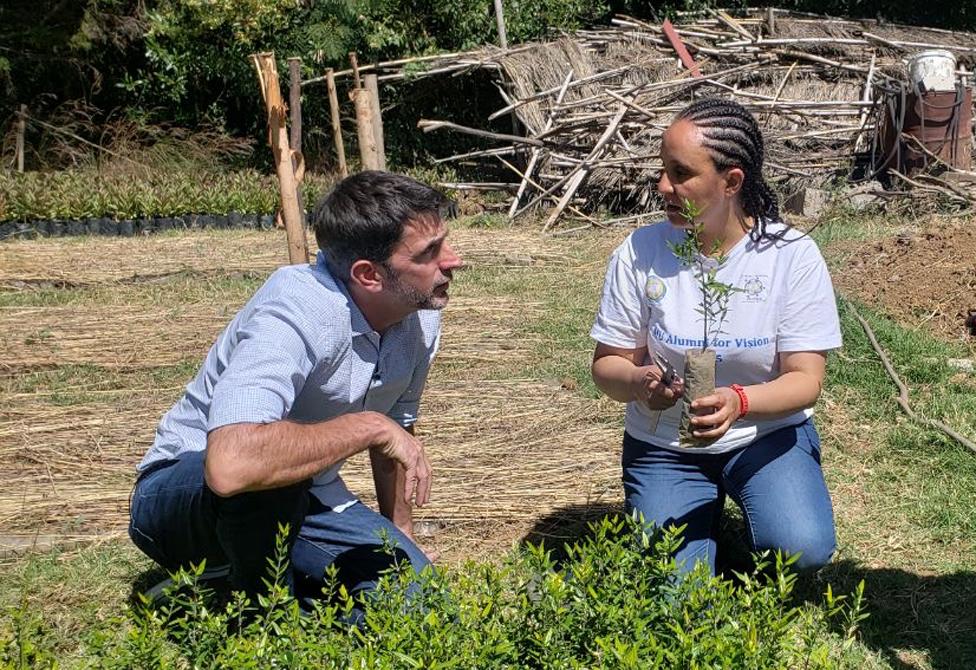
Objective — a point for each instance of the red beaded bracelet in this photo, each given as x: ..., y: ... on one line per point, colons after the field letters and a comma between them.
x: 743, y: 399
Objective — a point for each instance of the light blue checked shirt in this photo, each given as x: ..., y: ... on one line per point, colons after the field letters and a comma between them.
x: 300, y: 349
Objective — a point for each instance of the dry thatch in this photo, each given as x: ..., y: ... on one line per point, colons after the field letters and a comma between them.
x: 507, y: 450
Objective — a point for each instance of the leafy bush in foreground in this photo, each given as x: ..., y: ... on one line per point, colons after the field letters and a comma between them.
x: 615, y: 602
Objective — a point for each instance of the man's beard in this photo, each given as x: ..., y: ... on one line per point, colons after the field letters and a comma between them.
x: 415, y: 297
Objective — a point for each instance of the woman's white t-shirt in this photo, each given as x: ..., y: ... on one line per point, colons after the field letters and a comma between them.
x: 785, y: 302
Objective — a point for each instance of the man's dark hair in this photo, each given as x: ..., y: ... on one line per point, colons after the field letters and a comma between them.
x: 364, y: 214
x: 732, y: 138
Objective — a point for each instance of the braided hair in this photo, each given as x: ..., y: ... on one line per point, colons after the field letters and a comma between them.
x: 732, y: 138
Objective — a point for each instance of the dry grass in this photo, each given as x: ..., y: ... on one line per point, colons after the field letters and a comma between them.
x: 515, y: 445
x: 84, y: 383
x: 88, y: 261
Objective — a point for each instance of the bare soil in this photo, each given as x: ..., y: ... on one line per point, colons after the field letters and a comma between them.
x: 924, y: 278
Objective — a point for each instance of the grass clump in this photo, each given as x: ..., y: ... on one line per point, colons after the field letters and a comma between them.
x: 614, y: 601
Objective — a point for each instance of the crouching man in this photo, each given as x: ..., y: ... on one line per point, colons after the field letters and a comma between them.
x: 324, y: 361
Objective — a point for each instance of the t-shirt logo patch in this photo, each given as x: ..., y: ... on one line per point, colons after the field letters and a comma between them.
x: 655, y: 288
x: 755, y: 287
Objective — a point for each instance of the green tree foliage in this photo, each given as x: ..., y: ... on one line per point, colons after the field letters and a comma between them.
x: 197, y: 49
x: 52, y: 50
x: 186, y: 61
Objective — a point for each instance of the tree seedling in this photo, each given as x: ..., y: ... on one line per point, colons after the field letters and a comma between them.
x: 713, y: 306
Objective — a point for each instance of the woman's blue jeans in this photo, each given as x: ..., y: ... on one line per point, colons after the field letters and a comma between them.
x: 177, y: 520
x: 777, y: 481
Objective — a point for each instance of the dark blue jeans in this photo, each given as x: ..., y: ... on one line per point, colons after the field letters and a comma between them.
x: 176, y: 520
x: 777, y: 481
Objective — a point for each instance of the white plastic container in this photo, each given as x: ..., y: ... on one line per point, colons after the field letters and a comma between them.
x: 935, y: 68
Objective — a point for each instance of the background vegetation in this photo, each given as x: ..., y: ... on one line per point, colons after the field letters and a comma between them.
x: 83, y: 66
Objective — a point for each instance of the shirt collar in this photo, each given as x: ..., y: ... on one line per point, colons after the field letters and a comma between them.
x: 357, y: 321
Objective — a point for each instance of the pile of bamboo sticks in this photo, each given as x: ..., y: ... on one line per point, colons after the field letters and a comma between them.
x: 592, y: 107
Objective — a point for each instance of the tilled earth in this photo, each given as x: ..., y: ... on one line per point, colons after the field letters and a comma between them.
x: 924, y: 278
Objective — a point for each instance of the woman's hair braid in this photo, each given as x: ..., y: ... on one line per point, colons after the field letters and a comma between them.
x: 732, y: 138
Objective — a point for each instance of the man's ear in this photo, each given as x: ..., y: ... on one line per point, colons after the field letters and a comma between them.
x: 734, y: 178
x: 367, y: 274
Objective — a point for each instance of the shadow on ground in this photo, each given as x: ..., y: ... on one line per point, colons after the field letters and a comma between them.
x: 930, y: 613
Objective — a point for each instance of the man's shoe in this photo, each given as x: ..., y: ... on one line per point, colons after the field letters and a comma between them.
x: 157, y: 592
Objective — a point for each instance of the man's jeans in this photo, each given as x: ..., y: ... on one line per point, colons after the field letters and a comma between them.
x: 176, y: 520
x: 777, y: 481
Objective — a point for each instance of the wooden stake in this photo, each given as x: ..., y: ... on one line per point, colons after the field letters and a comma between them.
x: 21, y: 131
x: 680, y: 48
x: 354, y: 62
x: 295, y: 138
x: 295, y: 102
x: 283, y: 156
x: 770, y: 21
x: 368, y: 152
x: 340, y: 149
x: 500, y: 19
x: 373, y: 89
x: 865, y: 97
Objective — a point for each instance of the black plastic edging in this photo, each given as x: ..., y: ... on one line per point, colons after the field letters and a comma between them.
x: 129, y: 227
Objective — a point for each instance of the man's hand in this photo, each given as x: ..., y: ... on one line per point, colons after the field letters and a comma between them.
x: 648, y: 388
x: 405, y: 449
x: 726, y: 409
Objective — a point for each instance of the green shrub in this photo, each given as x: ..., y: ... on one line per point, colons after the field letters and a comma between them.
x: 83, y: 193
x: 614, y: 602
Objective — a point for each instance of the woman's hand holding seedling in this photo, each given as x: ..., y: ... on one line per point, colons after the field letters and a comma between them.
x: 726, y: 410
x: 650, y: 390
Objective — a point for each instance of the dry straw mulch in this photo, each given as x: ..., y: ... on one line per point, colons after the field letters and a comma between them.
x: 507, y: 450
x: 88, y: 261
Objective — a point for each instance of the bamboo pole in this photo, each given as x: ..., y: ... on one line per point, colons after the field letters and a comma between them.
x: 865, y: 97
x: 733, y: 24
x: 585, y: 168
x: 527, y: 176
x: 340, y: 149
x: 387, y: 65
x: 428, y: 125
x: 291, y: 211
x: 373, y: 90
x: 21, y: 131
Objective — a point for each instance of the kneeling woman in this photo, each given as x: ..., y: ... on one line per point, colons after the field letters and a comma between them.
x: 762, y: 448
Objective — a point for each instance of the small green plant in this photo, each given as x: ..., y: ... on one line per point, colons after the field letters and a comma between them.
x: 616, y: 600
x: 87, y: 193
x: 715, y: 295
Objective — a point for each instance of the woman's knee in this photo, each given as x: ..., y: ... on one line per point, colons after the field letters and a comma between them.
x: 812, y: 546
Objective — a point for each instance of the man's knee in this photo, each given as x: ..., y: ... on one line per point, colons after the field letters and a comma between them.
x: 287, y: 504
